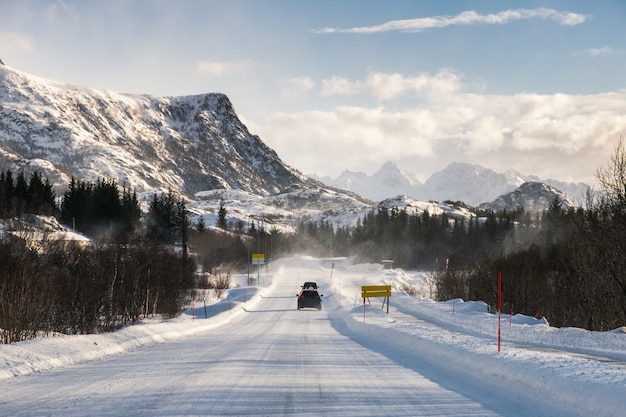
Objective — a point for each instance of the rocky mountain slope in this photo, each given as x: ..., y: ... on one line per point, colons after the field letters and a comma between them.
x: 530, y: 196
x: 184, y: 144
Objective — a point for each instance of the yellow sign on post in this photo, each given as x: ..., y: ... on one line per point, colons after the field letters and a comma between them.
x: 368, y: 291
x: 375, y: 291
x: 258, y: 259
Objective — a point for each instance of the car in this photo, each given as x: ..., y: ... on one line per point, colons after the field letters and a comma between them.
x: 309, y: 298
x: 310, y: 284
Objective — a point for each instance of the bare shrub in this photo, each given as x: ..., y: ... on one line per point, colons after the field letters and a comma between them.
x: 221, y: 281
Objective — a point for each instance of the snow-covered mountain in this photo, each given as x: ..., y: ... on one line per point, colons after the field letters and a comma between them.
x: 530, y: 196
x: 198, y: 147
x: 184, y: 144
x: 470, y: 183
x: 389, y: 181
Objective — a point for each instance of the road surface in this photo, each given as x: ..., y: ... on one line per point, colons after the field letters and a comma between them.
x: 272, y: 360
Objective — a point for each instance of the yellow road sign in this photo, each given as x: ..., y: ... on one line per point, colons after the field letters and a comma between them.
x: 375, y: 291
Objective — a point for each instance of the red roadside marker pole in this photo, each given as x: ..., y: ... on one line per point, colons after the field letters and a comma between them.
x: 363, y: 309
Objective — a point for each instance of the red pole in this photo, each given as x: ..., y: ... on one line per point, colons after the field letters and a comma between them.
x: 499, y: 305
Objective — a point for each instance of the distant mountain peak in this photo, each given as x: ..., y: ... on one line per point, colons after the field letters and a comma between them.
x: 460, y: 181
x: 530, y: 196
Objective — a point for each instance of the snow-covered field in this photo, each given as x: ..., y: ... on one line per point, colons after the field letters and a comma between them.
x: 253, y: 353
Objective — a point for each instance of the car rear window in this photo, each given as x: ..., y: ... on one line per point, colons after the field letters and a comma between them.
x: 309, y: 294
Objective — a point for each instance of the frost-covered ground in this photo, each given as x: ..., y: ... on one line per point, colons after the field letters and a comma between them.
x: 425, y: 346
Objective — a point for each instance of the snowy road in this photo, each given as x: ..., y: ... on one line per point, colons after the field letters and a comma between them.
x: 271, y: 360
x: 275, y: 360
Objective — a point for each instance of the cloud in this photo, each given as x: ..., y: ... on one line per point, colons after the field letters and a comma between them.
x: 298, y: 85
x: 550, y: 135
x: 318, y: 141
x: 219, y: 68
x: 388, y: 86
x: 339, y: 86
x: 15, y: 42
x: 598, y: 52
x: 465, y: 18
x: 58, y: 8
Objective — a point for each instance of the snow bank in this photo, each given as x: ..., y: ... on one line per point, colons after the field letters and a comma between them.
x: 455, y: 342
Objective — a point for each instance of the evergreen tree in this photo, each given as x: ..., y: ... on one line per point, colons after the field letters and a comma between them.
x: 20, y: 199
x: 4, y: 203
x: 166, y: 219
x: 221, y: 216
x: 40, y: 195
x: 131, y: 211
x: 201, y: 226
x: 98, y: 209
x: 25, y: 196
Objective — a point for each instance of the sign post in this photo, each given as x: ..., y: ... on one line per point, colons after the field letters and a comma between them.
x: 258, y: 259
x: 368, y: 291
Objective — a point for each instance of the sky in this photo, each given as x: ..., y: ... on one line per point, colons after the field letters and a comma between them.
x: 335, y: 85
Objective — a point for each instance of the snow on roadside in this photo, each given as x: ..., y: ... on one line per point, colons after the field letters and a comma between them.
x: 536, y: 361
x: 47, y: 353
x: 586, y: 370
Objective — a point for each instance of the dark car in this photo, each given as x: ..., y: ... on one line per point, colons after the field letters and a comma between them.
x: 309, y: 298
x: 310, y: 284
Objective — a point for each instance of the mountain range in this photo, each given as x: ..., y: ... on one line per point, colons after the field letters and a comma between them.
x: 470, y: 183
x: 196, y: 146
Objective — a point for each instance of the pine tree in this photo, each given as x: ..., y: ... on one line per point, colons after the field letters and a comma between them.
x: 221, y: 216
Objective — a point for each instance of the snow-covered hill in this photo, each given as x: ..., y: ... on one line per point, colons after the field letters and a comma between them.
x: 281, y: 210
x: 530, y: 196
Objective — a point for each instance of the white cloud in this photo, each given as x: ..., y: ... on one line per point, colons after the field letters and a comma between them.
x: 219, y: 68
x: 486, y: 133
x: 316, y: 141
x: 597, y: 52
x: 466, y: 18
x: 15, y: 43
x: 545, y: 135
x: 388, y: 86
x: 296, y: 87
x: 339, y: 86
x: 58, y: 8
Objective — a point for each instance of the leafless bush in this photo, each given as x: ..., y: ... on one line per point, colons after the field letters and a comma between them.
x: 409, y: 289
x: 221, y: 281
x: 54, y: 286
